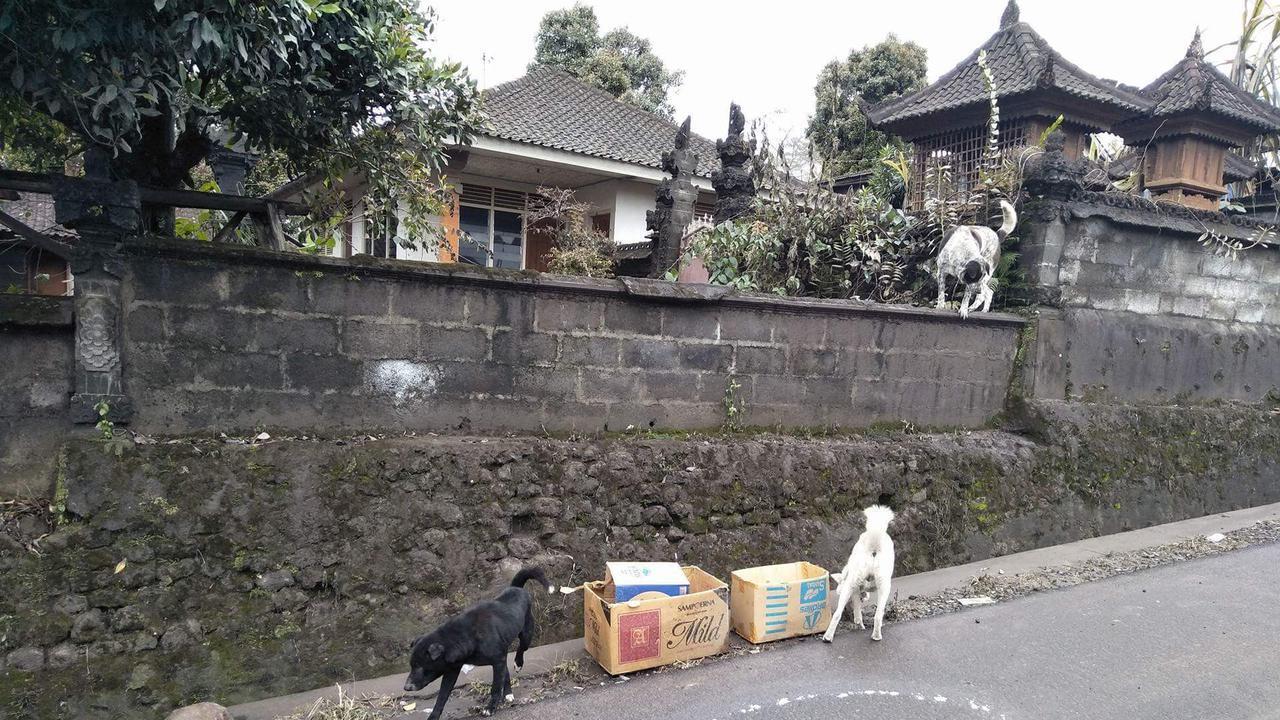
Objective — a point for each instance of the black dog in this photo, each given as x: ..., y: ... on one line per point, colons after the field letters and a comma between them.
x: 480, y: 636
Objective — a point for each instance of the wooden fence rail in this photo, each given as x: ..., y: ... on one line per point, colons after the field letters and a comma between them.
x: 265, y: 213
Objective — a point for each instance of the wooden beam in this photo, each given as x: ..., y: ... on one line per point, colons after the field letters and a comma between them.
x: 37, y: 183
x: 35, y: 237
x: 277, y: 230
x: 217, y: 201
x: 229, y: 227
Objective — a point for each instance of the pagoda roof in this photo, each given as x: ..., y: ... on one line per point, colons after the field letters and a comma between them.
x: 1022, y: 63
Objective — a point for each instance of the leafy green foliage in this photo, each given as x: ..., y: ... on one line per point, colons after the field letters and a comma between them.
x: 339, y: 89
x: 577, y: 249
x: 838, y: 130
x: 804, y: 240
x: 33, y: 142
x: 621, y: 63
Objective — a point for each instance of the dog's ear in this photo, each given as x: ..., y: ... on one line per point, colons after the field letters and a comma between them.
x: 436, y: 651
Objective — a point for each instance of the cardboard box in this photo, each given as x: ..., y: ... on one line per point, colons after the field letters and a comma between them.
x: 636, y: 578
x: 773, y: 602
x: 638, y: 634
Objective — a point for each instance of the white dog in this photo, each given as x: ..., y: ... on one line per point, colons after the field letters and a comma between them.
x: 870, y: 566
x: 972, y: 254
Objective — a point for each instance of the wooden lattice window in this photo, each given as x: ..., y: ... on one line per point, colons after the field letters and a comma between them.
x: 962, y: 150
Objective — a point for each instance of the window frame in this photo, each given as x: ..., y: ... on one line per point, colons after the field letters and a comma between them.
x: 492, y: 207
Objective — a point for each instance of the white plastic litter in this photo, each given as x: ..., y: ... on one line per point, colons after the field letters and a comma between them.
x: 1215, y: 538
x: 979, y: 600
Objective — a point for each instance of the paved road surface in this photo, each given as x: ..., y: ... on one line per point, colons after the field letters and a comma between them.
x: 1194, y: 640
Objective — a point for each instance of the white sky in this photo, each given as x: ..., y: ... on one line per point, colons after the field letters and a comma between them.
x: 767, y: 56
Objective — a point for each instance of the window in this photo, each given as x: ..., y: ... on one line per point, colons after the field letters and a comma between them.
x: 493, y: 218
x: 508, y: 240
x: 600, y: 223
x: 474, y: 223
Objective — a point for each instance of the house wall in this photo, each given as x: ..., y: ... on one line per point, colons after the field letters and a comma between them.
x: 633, y: 202
x: 602, y: 197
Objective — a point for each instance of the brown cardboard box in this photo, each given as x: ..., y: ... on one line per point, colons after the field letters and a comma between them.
x: 773, y: 602
x: 648, y: 632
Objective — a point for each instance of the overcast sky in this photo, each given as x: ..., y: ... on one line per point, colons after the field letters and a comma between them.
x: 766, y: 56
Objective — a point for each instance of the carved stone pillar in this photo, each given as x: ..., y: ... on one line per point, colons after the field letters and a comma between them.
x: 675, y: 199
x: 103, y: 214
x: 1052, y: 174
x: 735, y: 190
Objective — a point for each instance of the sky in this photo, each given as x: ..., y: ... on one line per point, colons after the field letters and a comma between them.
x: 766, y: 57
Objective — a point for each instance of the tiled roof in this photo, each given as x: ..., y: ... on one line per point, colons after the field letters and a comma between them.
x: 1194, y: 85
x: 551, y: 108
x: 1020, y: 61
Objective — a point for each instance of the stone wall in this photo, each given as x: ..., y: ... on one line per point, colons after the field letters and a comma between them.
x: 234, y: 339
x: 35, y: 389
x: 233, y: 570
x: 1139, y: 311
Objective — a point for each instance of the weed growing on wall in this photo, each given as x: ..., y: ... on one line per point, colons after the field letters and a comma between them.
x: 733, y: 405
x: 112, y: 443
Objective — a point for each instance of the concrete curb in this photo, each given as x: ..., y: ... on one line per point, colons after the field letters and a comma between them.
x: 540, y: 660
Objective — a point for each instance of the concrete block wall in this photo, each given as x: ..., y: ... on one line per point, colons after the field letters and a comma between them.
x: 36, y: 366
x: 1145, y: 313
x: 239, y: 338
x: 1106, y: 266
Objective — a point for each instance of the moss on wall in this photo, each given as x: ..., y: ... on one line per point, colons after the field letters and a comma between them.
x: 198, y: 569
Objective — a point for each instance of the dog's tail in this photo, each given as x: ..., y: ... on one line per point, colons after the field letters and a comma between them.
x: 878, y: 518
x: 1010, y: 217
x: 531, y: 573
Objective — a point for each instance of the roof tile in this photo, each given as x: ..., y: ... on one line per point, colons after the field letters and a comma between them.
x: 551, y: 108
x: 1020, y: 60
x: 1195, y: 85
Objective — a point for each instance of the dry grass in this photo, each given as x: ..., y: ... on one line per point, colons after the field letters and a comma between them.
x: 346, y: 707
x: 567, y: 671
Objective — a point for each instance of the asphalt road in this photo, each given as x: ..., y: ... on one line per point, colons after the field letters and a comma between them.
x: 1194, y: 640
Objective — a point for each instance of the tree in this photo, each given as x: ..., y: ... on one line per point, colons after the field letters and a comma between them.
x: 568, y: 39
x: 336, y: 87
x: 33, y: 142
x: 621, y: 63
x: 838, y: 131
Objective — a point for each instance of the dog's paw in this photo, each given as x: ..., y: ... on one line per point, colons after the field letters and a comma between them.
x: 860, y: 626
x: 485, y: 712
x: 876, y: 636
x: 828, y: 637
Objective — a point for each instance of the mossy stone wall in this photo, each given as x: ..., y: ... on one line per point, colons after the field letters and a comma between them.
x: 190, y: 570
